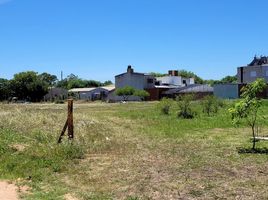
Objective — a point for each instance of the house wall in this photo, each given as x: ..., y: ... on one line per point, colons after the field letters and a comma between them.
x: 227, y: 91
x: 175, y: 80
x: 156, y: 93
x: 56, y: 93
x: 130, y: 79
x: 149, y: 82
x: 248, y: 74
x: 84, y: 95
x: 170, y: 80
x: 189, y: 81
x: 96, y: 94
x: 135, y: 80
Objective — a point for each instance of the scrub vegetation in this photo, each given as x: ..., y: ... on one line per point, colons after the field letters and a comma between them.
x: 132, y: 151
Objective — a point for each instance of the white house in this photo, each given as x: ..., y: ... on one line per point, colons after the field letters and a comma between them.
x: 173, y: 79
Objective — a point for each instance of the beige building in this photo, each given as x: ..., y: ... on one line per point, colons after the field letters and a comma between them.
x: 258, y: 68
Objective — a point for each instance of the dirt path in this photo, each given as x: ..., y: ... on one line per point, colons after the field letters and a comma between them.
x: 8, y: 191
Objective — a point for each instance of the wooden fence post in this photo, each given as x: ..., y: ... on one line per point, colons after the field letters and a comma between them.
x: 70, y: 119
x: 69, y: 123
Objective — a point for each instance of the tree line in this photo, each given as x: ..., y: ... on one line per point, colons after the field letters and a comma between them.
x: 32, y: 86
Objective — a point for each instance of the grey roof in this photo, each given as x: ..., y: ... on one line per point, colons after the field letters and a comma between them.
x: 259, y: 61
x: 108, y: 87
x: 190, y: 89
x: 137, y: 73
x: 82, y: 89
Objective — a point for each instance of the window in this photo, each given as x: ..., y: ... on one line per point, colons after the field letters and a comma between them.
x: 184, y: 82
x: 150, y: 80
x: 253, y: 74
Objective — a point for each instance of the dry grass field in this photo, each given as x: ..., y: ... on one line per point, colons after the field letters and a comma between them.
x: 129, y: 151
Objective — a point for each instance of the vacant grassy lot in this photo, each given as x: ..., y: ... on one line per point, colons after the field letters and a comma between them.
x: 130, y: 151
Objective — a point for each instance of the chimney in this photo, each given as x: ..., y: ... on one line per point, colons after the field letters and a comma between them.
x: 173, y: 73
x: 129, y: 69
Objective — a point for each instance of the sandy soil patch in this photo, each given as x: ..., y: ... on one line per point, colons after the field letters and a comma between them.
x: 8, y: 191
x: 69, y: 197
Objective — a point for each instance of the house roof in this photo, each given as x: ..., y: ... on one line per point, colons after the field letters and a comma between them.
x: 259, y: 61
x: 190, y: 89
x: 82, y: 89
x: 131, y: 73
x: 108, y: 87
x: 166, y: 86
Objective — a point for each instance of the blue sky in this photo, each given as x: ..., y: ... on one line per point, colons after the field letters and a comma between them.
x: 97, y: 39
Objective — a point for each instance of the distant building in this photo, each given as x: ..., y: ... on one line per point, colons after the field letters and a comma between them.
x: 198, y: 90
x: 91, y: 94
x: 173, y: 79
x: 227, y: 90
x: 136, y: 80
x: 258, y: 68
x: 154, y: 85
x: 56, y: 94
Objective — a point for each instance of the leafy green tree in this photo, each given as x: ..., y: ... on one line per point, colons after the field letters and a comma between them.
x: 156, y: 74
x: 62, y: 84
x: 72, y: 77
x: 4, y: 89
x: 48, y: 78
x: 73, y: 81
x: 248, y: 107
x: 125, y: 92
x: 76, y: 83
x: 229, y: 79
x: 93, y: 83
x: 141, y: 93
x: 107, y: 83
x: 226, y: 79
x: 212, y: 82
x: 28, y: 86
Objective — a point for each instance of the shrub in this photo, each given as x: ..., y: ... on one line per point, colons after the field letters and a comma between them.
x: 211, y: 104
x: 165, y: 105
x: 141, y: 93
x: 125, y: 92
x: 59, y: 101
x: 185, y: 106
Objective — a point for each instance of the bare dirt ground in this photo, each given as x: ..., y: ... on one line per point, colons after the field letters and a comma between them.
x: 8, y: 191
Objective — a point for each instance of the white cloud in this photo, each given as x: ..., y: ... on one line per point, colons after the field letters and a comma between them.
x: 4, y: 1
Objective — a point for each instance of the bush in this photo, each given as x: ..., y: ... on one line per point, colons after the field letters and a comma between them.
x: 141, y: 93
x: 165, y: 105
x: 59, y: 101
x: 185, y: 106
x: 125, y: 92
x: 211, y: 104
